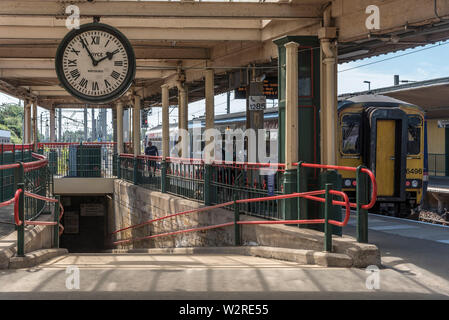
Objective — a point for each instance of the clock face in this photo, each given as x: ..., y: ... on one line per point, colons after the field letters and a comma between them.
x: 95, y: 63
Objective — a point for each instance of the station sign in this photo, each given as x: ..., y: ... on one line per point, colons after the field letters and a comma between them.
x: 257, y: 103
x: 270, y: 90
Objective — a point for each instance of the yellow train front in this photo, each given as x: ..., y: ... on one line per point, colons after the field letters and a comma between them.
x: 387, y: 136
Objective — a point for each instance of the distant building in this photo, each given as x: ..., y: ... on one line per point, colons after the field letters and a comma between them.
x: 5, y: 136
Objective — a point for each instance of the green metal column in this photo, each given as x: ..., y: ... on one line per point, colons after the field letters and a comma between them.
x: 301, y: 186
x: 135, y: 179
x: 19, y: 181
x: 327, y: 216
x: 119, y: 171
x: 2, y: 173
x: 335, y: 213
x: 56, y: 227
x: 362, y: 198
x: 164, y: 176
x: 308, y: 121
x: 290, y: 206
x: 207, y: 186
x: 236, y: 220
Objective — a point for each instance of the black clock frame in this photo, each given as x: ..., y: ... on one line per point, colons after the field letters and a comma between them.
x: 131, y: 63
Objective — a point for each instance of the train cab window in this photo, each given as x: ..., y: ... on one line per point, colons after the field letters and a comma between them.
x: 350, y: 126
x: 414, y: 135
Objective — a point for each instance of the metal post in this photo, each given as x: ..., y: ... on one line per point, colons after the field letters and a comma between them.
x: 302, y: 187
x: 164, y: 176
x: 19, y: 176
x: 327, y: 213
x: 56, y: 228
x: 207, y: 193
x: 362, y: 193
x: 2, y: 172
x: 119, y: 171
x: 135, y: 171
x: 236, y: 220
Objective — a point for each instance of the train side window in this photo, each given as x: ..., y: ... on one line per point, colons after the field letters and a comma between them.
x: 414, y: 135
x: 350, y: 126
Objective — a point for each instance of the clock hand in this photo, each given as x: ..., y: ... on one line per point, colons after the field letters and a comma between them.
x: 109, y: 56
x: 94, y: 62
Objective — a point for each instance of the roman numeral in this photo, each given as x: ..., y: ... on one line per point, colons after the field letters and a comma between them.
x: 118, y: 63
x: 95, y: 40
x: 83, y: 83
x: 107, y: 43
x: 115, y: 75
x: 75, y: 74
x: 106, y: 83
x: 72, y: 63
x: 95, y: 86
x: 116, y: 51
x: 76, y: 51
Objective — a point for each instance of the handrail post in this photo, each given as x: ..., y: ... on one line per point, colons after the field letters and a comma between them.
x: 164, y: 176
x: 56, y: 219
x: 327, y: 213
x: 300, y: 188
x: 2, y: 161
x: 119, y: 167
x: 135, y: 171
x: 362, y: 193
x: 207, y: 193
x: 236, y: 220
x: 19, y: 178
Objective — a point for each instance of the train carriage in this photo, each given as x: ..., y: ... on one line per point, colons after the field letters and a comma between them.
x: 387, y: 136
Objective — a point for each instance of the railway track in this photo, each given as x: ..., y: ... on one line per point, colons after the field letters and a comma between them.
x: 434, y: 221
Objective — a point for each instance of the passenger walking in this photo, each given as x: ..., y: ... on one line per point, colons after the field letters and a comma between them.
x: 152, y: 151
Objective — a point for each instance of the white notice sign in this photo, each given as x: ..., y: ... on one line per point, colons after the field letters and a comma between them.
x: 257, y: 103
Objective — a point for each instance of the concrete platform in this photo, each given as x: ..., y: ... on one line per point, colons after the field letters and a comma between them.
x: 415, y: 265
x: 208, y: 276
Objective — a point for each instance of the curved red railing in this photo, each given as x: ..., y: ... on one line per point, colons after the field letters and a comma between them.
x: 307, y: 195
x: 16, y: 147
x: 29, y: 166
x: 62, y: 144
x: 343, y: 168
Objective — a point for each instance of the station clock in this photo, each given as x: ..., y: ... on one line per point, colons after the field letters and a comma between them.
x: 95, y: 63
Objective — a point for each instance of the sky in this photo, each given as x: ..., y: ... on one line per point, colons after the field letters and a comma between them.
x: 413, y: 64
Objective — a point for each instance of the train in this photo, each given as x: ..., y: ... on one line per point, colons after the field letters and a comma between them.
x: 386, y: 135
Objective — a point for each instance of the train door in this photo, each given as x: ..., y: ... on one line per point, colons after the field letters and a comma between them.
x: 389, y: 152
x: 386, y: 157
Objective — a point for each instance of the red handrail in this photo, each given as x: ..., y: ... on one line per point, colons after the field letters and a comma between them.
x: 16, y: 147
x: 62, y: 144
x: 28, y: 166
x: 343, y: 168
x: 306, y: 195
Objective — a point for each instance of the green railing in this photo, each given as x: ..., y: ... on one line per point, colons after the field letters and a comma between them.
x: 438, y: 164
x: 32, y: 187
x: 248, y: 181
x: 10, y: 153
x: 81, y: 160
x: 184, y: 177
x: 222, y: 182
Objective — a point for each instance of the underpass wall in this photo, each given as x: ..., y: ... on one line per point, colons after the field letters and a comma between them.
x: 134, y: 205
